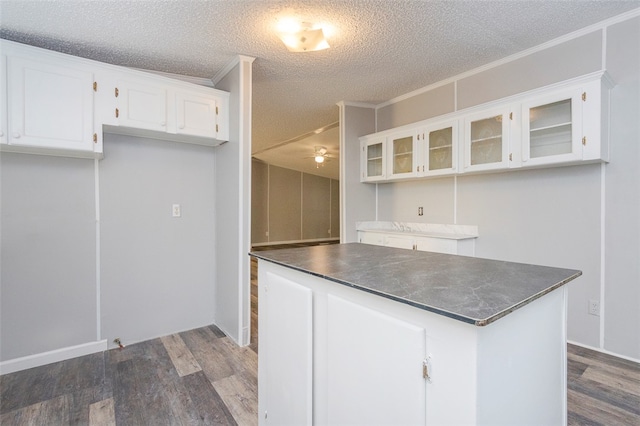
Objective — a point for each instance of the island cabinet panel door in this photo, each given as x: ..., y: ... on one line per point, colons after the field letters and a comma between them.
x: 286, y: 339
x: 375, y: 367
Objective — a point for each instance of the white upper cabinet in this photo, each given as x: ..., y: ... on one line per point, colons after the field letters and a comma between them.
x: 440, y: 147
x: 565, y: 126
x: 373, y: 158
x: 49, y: 104
x: 56, y: 104
x: 402, y: 157
x: 141, y: 105
x: 562, y: 124
x: 486, y: 140
x: 199, y: 114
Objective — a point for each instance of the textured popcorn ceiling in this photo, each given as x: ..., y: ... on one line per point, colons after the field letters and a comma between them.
x: 379, y: 49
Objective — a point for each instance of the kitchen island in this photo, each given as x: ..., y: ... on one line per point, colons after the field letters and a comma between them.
x: 363, y: 334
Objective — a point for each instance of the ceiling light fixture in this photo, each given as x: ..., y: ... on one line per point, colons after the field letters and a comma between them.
x: 302, y: 37
x: 319, y: 158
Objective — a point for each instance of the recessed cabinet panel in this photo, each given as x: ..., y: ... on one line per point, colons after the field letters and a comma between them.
x: 286, y: 329
x: 552, y: 129
x: 141, y: 106
x: 363, y: 371
x: 51, y: 106
x: 196, y: 115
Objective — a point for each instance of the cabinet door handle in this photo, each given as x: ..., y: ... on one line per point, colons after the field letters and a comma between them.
x: 16, y: 135
x: 181, y: 126
x: 163, y: 123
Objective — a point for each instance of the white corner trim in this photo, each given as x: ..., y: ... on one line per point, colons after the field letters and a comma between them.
x: 57, y: 355
x: 227, y: 68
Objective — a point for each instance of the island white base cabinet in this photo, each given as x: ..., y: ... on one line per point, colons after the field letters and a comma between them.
x: 332, y: 355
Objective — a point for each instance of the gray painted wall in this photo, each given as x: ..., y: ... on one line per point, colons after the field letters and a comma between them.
x: 47, y: 253
x: 233, y: 204
x: 157, y: 271
x: 568, y: 216
x: 289, y: 205
x: 358, y: 201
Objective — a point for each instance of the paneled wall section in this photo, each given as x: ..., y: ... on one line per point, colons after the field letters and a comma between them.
x: 291, y: 206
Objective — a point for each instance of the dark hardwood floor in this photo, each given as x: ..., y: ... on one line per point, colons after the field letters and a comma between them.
x: 200, y: 377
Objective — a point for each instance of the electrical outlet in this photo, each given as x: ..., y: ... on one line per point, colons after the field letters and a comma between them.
x: 175, y: 209
x: 594, y: 307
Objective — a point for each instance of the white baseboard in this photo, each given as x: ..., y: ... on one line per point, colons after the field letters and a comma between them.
x: 604, y: 351
x: 44, y: 358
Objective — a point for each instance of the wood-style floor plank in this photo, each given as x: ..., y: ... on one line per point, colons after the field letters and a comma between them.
x: 102, y: 413
x: 180, y: 355
x: 240, y: 394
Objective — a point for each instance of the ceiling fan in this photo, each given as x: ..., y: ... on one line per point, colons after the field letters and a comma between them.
x: 320, y: 155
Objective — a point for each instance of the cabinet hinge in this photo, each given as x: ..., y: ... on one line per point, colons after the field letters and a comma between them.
x: 95, y: 138
x: 584, y: 96
x: 117, y: 113
x: 116, y: 92
x: 95, y: 86
x: 425, y: 368
x: 584, y: 140
x: 510, y: 156
x: 216, y: 110
x: 216, y: 128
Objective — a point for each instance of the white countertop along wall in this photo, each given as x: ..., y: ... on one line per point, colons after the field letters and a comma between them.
x: 436, y: 230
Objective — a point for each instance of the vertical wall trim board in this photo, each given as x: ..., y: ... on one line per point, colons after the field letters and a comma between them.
x: 268, y: 202
x: 330, y: 207
x: 603, y: 64
x: 602, y: 251
x: 301, y: 205
x: 376, y: 201
x: 343, y: 166
x: 96, y: 173
x: 455, y: 200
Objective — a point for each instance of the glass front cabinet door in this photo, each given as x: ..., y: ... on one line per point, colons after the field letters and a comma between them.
x: 440, y: 148
x: 373, y: 167
x: 563, y: 127
x: 551, y: 129
x: 402, y: 155
x: 486, y: 140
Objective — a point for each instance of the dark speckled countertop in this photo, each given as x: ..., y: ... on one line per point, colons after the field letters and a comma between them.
x: 469, y: 289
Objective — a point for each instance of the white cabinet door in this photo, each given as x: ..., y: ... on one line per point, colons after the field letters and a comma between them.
x: 486, y: 140
x: 439, y: 245
x: 374, y: 367
x: 371, y: 238
x: 50, y: 105
x: 552, y: 128
x: 404, y: 242
x: 286, y: 348
x: 440, y: 148
x: 196, y: 114
x: 373, y: 160
x: 402, y: 158
x: 141, y: 105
